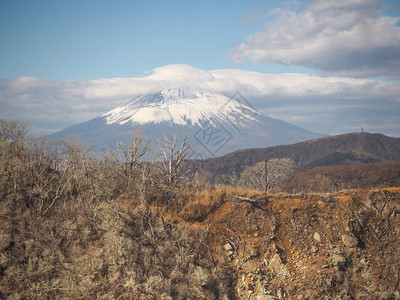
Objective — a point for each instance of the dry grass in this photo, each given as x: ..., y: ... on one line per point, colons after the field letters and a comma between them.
x: 98, y: 234
x: 195, y: 205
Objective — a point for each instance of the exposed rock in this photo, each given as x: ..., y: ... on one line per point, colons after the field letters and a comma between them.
x: 317, y: 237
x: 254, y: 254
x: 349, y: 241
x: 228, y: 247
x: 278, y: 267
x: 316, y: 248
x: 250, y: 265
x: 338, y: 260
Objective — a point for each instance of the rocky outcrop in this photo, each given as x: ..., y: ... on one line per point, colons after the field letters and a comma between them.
x: 343, y: 245
x: 349, y: 241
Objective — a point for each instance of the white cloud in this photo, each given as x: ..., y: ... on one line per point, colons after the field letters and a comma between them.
x: 340, y: 37
x: 325, y: 104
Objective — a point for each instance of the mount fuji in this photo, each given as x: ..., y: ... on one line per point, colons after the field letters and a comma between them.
x: 217, y: 123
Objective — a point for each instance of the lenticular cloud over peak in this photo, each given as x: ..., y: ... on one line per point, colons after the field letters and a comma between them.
x: 52, y: 105
x: 180, y: 74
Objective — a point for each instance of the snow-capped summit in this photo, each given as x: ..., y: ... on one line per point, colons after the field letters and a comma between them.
x: 184, y: 107
x: 218, y: 124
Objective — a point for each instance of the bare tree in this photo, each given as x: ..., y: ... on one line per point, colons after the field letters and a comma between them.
x: 128, y: 157
x: 174, y: 155
x: 15, y: 134
x: 13, y: 131
x: 228, y: 179
x: 13, y: 142
x: 278, y: 169
x: 53, y: 167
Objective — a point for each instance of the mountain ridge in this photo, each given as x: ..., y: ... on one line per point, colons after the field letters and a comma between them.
x: 364, y: 147
x: 218, y: 124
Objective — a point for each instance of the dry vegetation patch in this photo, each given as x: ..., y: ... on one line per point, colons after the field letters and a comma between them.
x: 76, y: 227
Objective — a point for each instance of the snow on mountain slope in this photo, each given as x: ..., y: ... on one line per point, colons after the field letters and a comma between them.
x: 218, y: 124
x: 181, y: 107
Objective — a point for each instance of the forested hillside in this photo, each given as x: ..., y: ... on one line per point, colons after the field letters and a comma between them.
x: 333, y: 150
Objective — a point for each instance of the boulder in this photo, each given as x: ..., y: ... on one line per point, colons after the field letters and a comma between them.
x: 317, y: 237
x: 228, y: 247
x: 339, y: 260
x: 278, y: 266
x: 349, y: 241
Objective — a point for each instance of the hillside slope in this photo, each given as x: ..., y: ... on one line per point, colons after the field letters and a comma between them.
x: 312, y: 246
x: 74, y: 227
x: 210, y: 241
x: 332, y: 150
x: 336, y: 178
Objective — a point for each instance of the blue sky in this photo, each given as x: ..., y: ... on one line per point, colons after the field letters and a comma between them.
x: 64, y: 62
x: 103, y: 39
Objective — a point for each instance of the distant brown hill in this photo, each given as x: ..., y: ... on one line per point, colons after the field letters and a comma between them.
x: 333, y: 150
x: 336, y: 178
